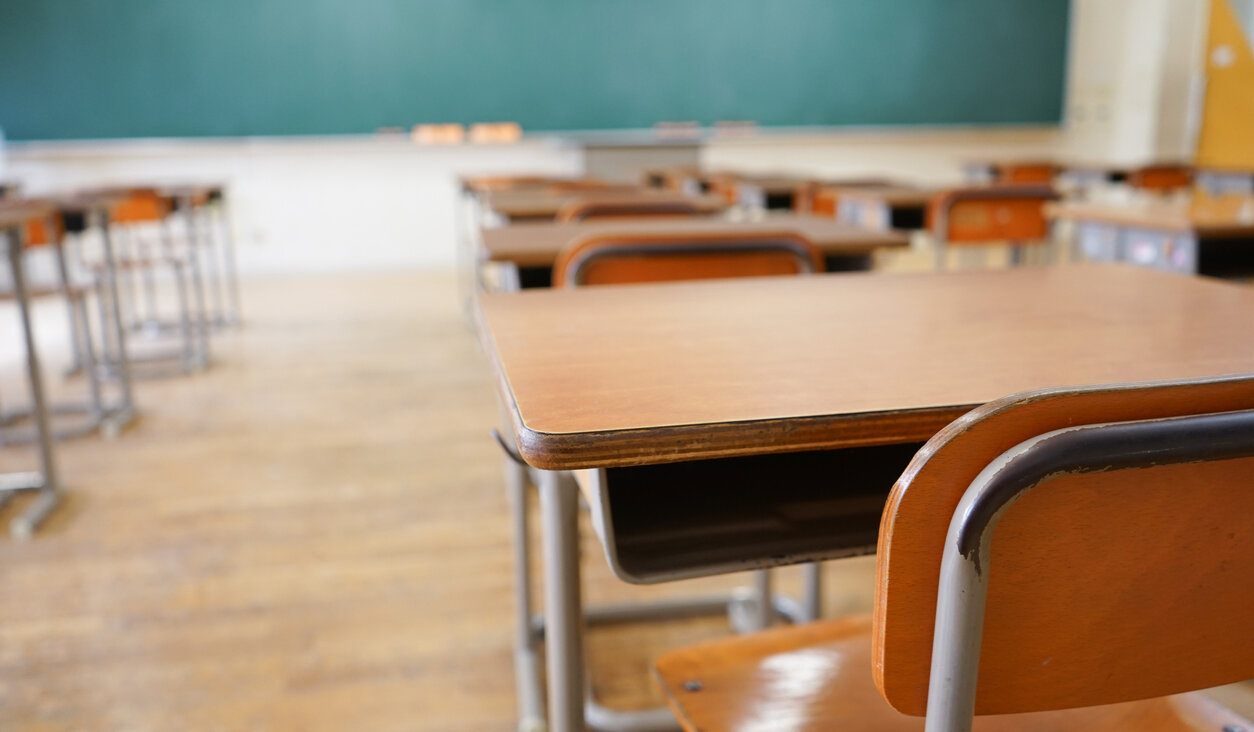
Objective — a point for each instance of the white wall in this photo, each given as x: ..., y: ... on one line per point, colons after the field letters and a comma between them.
x: 306, y: 204
x: 1132, y: 79
x: 933, y: 156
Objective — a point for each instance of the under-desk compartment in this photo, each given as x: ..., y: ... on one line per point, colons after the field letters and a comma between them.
x: 665, y: 522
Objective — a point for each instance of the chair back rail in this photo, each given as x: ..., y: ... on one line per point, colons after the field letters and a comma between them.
x: 1102, y: 586
x: 613, y: 259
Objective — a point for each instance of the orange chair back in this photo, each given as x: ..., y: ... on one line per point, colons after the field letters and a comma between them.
x: 588, y: 208
x: 990, y: 214
x: 42, y: 231
x: 1023, y: 173
x: 580, y: 185
x: 826, y: 203
x: 1103, y: 587
x: 610, y: 259
x: 141, y: 206
x: 1161, y: 177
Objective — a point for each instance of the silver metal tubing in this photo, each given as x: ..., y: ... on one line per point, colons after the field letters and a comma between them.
x: 963, y: 583
x: 642, y: 720
x: 559, y: 506
x: 526, y: 643
x: 80, y: 331
x: 198, y: 290
x: 153, y: 318
x: 213, y: 277
x: 25, y: 524
x: 119, y: 359
x: 764, y: 611
x: 678, y: 608
x: 228, y: 260
x: 130, y: 257
x: 811, y: 592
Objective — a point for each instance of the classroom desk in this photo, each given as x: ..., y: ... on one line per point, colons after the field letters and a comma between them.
x: 530, y: 248
x: 540, y: 204
x: 45, y: 483
x: 881, y: 206
x: 1211, y: 236
x: 769, y: 192
x: 108, y: 415
x: 771, y: 416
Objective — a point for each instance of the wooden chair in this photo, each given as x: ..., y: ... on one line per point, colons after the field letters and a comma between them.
x: 1161, y: 178
x: 597, y: 207
x: 48, y: 234
x: 1087, y: 550
x: 619, y: 259
x: 1039, y: 173
x: 983, y: 215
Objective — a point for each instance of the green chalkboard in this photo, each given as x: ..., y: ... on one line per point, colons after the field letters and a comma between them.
x: 172, y: 68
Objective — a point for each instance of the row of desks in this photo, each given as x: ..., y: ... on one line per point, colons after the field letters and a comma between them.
x: 537, y: 244
x: 772, y: 415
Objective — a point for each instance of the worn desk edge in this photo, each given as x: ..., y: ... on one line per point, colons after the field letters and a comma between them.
x: 704, y: 441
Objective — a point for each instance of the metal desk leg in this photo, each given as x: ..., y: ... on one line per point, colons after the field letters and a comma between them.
x: 812, y: 592
x: 526, y: 638
x: 559, y: 509
x: 228, y: 262
x: 213, y: 276
x: 49, y: 487
x: 198, y: 288
x: 80, y: 334
x: 119, y: 360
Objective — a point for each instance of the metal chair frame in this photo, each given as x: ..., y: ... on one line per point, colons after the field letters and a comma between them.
x: 941, y: 227
x: 965, y: 562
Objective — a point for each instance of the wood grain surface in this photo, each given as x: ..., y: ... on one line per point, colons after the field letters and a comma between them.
x: 538, y: 243
x: 818, y: 677
x: 542, y: 203
x: 633, y: 374
x: 612, y: 259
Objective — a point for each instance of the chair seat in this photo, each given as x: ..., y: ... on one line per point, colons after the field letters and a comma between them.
x: 818, y: 677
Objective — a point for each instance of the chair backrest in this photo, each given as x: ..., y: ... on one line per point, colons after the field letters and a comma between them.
x: 1125, y: 580
x: 44, y: 230
x: 606, y: 259
x: 587, y: 208
x: 987, y: 214
x: 1163, y: 177
x: 580, y: 185
x: 1039, y: 173
x: 141, y: 205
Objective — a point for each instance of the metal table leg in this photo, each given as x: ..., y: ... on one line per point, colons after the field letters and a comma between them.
x: 198, y: 285
x: 114, y: 331
x: 46, y: 481
x: 559, y: 509
x: 228, y: 262
x: 526, y: 639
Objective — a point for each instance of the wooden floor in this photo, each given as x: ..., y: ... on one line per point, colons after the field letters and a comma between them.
x: 312, y: 535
